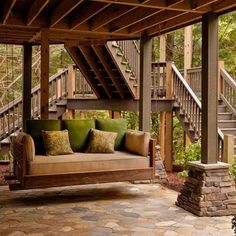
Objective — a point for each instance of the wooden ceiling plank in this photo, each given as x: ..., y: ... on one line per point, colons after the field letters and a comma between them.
x: 90, y: 59
x: 223, y: 6
x: 175, y: 23
x: 7, y: 10
x: 64, y: 8
x: 107, y: 15
x: 100, y: 54
x: 85, y: 13
x: 165, y: 15
x: 35, y: 9
x: 130, y: 18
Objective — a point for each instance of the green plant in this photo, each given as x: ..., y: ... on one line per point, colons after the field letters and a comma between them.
x: 192, y: 152
x: 6, y: 157
x: 233, y: 169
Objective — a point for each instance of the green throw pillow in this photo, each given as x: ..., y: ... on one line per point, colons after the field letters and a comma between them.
x: 114, y: 125
x: 57, y: 142
x: 78, y: 133
x: 101, y: 141
x: 35, y: 127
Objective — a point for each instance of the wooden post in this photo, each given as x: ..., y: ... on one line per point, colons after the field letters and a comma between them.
x: 187, y: 49
x: 71, y: 82
x: 220, y: 81
x: 27, y: 83
x: 115, y: 114
x: 228, y: 155
x: 209, y: 147
x: 145, y: 84
x: 59, y: 84
x: 169, y: 120
x: 162, y: 135
x: 162, y: 114
x: 44, y: 81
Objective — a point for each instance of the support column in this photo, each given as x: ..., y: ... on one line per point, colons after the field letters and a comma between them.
x: 27, y: 83
x: 115, y: 114
x: 209, y: 189
x: 187, y: 49
x: 209, y: 152
x: 145, y: 84
x: 44, y: 81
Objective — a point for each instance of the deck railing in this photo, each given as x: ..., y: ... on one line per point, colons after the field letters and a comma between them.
x: 190, y: 106
x: 130, y: 51
x: 228, y: 91
x: 158, y: 80
x: 194, y: 79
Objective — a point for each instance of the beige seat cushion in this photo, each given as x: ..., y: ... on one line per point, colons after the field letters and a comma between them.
x: 84, y: 162
x: 137, y: 142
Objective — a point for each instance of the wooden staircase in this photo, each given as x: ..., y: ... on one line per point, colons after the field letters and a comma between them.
x: 106, y: 69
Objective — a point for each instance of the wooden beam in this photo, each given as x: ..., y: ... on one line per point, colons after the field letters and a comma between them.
x: 106, y: 63
x: 145, y: 84
x: 44, y: 80
x: 169, y: 141
x: 62, y: 10
x: 9, y: 4
x: 117, y: 104
x: 35, y: 9
x: 86, y: 12
x: 209, y: 147
x: 27, y: 81
x: 93, y: 64
x: 72, y: 51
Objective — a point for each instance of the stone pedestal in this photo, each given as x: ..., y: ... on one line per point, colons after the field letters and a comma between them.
x: 209, y: 190
x: 161, y: 176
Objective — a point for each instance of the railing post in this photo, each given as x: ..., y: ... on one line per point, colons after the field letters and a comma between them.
x: 71, y: 81
x: 59, y: 85
x: 220, y: 81
x: 115, y: 114
x: 169, y: 119
x: 228, y: 155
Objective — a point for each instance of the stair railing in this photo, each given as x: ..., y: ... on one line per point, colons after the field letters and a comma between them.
x: 190, y: 106
x: 131, y: 52
x: 11, y: 114
x: 228, y: 90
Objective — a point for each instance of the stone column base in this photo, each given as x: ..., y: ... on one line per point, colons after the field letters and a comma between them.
x: 209, y: 190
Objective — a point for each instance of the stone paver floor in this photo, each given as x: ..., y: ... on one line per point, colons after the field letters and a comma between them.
x: 105, y: 209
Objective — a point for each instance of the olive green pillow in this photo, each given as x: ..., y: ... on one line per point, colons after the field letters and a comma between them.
x: 57, y: 142
x: 35, y: 127
x: 101, y: 141
x: 78, y: 133
x: 114, y: 125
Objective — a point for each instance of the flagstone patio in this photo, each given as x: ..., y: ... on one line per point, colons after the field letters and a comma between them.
x: 105, y: 209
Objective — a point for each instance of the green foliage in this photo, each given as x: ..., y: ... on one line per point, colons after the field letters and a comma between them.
x: 99, y: 114
x: 178, y: 136
x: 132, y: 119
x: 6, y: 157
x: 233, y: 169
x: 191, y: 152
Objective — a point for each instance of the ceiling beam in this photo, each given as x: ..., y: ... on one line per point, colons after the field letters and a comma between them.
x: 7, y: 10
x: 86, y: 12
x: 64, y: 8
x: 35, y: 9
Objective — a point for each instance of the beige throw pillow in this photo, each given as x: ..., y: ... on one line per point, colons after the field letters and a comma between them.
x: 137, y: 142
x: 101, y: 141
x: 57, y: 142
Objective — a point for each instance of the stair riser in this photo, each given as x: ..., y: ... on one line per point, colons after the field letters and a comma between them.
x: 227, y: 124
x: 224, y: 116
x: 221, y: 109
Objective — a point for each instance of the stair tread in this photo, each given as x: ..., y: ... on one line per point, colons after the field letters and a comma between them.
x: 226, y: 121
x: 228, y: 129
x: 226, y: 113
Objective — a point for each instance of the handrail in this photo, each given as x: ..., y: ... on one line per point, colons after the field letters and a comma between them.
x: 190, y: 106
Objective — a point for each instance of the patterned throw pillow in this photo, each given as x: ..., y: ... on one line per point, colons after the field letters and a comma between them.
x: 57, y: 142
x: 101, y: 141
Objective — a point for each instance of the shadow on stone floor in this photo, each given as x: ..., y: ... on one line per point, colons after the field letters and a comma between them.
x: 74, y: 195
